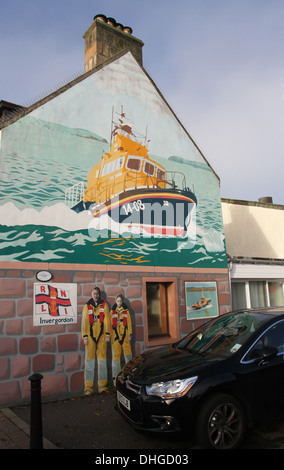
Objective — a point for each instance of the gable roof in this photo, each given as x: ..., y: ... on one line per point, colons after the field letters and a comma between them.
x: 24, y: 111
x: 8, y: 109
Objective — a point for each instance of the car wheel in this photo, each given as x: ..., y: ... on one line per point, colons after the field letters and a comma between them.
x: 221, y: 423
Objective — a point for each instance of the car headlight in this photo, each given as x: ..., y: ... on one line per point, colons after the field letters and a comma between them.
x: 172, y: 389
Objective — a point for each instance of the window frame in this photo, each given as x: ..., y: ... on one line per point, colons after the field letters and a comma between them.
x: 173, y: 312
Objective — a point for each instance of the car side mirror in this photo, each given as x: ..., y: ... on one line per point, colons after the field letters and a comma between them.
x: 266, y: 355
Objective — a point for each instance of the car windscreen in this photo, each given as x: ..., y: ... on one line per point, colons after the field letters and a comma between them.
x: 222, y: 336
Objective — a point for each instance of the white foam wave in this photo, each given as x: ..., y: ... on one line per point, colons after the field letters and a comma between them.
x: 57, y: 215
x: 213, y: 240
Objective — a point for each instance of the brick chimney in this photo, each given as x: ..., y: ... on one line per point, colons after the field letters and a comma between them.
x: 105, y: 38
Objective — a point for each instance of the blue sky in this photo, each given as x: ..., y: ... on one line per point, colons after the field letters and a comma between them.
x: 218, y: 63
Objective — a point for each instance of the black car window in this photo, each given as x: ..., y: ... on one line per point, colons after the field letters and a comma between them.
x: 222, y: 337
x: 274, y: 337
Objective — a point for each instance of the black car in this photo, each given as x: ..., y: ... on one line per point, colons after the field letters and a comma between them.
x: 223, y: 377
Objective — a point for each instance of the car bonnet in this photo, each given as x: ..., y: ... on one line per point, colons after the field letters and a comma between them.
x: 165, y: 363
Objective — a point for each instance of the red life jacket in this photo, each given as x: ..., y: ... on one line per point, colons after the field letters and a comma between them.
x: 91, y: 313
x: 114, y: 318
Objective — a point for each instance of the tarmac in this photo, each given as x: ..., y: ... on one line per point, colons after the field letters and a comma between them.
x: 94, y: 423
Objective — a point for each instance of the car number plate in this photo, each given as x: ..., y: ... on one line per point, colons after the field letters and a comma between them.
x: 123, y: 400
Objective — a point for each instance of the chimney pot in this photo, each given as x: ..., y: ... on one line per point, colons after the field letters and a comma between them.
x: 127, y: 29
x: 105, y: 38
x: 111, y: 21
x: 101, y: 18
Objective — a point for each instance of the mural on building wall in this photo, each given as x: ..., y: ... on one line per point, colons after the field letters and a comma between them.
x: 81, y: 184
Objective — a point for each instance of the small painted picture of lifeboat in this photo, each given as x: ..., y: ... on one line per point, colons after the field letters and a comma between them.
x: 134, y: 190
x: 201, y: 304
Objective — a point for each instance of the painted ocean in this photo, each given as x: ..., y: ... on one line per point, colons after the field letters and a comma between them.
x: 38, y: 226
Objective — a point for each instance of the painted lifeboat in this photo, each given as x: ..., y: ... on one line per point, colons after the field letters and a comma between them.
x: 134, y: 190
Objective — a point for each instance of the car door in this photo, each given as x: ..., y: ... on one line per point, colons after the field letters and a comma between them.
x: 265, y: 377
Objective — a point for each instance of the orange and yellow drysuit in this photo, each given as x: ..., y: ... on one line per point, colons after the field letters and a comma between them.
x: 96, y: 328
x: 121, y: 332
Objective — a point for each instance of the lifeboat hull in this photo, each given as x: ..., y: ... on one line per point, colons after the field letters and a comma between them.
x: 147, y: 211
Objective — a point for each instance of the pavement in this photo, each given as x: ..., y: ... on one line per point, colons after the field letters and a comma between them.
x: 15, y: 432
x: 93, y: 423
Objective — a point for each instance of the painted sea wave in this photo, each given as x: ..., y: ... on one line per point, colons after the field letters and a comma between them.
x: 39, y: 237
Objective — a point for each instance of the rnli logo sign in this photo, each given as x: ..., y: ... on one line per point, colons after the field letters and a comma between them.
x: 55, y: 304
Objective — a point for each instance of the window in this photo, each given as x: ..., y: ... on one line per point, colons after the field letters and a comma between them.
x: 238, y: 295
x: 246, y: 294
x: 257, y: 294
x: 161, y: 175
x: 276, y: 293
x: 133, y: 164
x: 160, y: 311
x: 115, y: 165
x: 149, y: 169
x: 274, y: 337
x: 157, y: 309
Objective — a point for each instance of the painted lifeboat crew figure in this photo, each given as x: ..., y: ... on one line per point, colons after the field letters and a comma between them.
x: 121, y: 333
x: 95, y: 333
